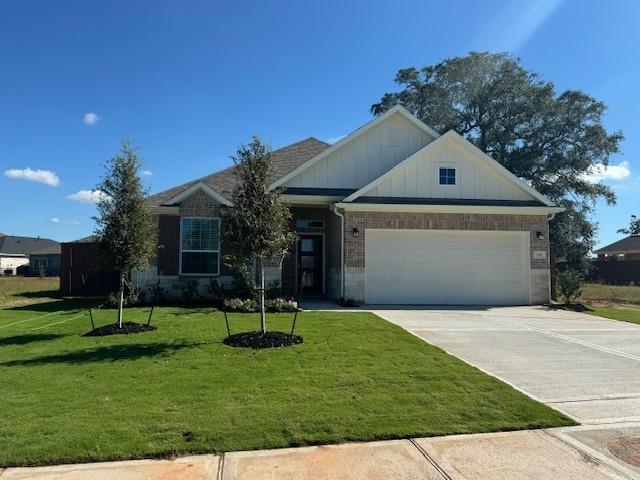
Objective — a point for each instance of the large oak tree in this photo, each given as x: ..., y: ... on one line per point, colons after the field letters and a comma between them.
x: 551, y: 140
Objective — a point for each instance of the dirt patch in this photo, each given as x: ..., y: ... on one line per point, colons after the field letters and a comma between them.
x: 258, y: 340
x: 114, y: 329
x: 626, y: 449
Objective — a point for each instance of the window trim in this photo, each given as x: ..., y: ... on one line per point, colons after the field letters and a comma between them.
x: 217, y: 274
x: 455, y: 176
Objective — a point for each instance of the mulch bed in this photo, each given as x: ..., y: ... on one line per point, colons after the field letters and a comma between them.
x: 577, y: 307
x: 114, y: 329
x: 257, y: 340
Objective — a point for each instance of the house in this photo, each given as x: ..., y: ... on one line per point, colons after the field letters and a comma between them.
x: 33, y: 256
x: 394, y: 213
x: 626, y: 249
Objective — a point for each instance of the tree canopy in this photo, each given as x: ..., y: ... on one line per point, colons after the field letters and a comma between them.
x: 124, y: 224
x: 551, y: 140
x: 258, y: 222
x: 633, y: 228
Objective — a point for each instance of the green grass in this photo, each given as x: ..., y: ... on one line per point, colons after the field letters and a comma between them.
x: 16, y: 291
x: 613, y: 301
x: 594, y: 292
x: 177, y: 390
x: 625, y: 314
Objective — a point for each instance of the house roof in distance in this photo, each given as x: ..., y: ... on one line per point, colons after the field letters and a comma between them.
x: 630, y: 244
x: 14, y: 245
x: 284, y: 160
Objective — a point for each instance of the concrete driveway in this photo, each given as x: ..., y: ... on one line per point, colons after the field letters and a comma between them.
x: 587, y: 367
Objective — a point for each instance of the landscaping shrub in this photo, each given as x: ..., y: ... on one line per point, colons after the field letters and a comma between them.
x: 570, y: 284
x: 280, y: 305
x: 274, y: 305
x: 190, y: 293
x: 347, y: 302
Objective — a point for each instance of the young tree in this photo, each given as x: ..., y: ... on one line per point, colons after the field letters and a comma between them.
x: 553, y: 141
x: 123, y: 224
x: 634, y: 227
x: 258, y: 222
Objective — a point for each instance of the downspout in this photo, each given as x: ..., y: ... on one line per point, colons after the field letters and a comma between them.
x: 335, y: 210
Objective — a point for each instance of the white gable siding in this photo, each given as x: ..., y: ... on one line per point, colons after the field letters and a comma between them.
x: 366, y: 157
x: 474, y: 179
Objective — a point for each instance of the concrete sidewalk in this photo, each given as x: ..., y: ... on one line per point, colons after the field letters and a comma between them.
x: 537, y: 454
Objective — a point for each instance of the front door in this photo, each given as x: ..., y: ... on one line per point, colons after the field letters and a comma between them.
x: 310, y: 264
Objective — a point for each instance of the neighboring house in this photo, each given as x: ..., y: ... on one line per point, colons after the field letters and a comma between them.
x: 626, y: 249
x: 394, y: 213
x: 33, y: 256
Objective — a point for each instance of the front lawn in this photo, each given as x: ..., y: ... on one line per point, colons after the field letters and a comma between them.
x: 618, y: 302
x: 179, y: 389
x: 625, y: 314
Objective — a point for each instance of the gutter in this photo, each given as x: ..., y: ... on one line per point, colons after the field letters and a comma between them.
x: 334, y: 209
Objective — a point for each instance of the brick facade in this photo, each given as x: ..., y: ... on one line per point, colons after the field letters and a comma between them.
x: 201, y: 205
x: 355, y: 247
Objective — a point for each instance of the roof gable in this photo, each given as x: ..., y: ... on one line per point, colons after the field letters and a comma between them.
x: 342, y: 165
x: 478, y: 176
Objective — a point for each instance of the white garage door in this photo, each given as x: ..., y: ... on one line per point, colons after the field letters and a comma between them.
x: 444, y: 267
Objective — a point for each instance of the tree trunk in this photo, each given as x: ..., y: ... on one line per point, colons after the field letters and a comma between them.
x: 263, y: 324
x: 120, y: 300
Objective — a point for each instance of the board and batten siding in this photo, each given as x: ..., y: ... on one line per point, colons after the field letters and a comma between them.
x: 418, y: 178
x: 366, y: 157
x: 169, y: 244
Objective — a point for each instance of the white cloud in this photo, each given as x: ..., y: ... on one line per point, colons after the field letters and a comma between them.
x: 90, y: 118
x: 41, y: 176
x: 600, y: 172
x: 57, y: 221
x: 333, y: 140
x: 146, y: 173
x: 88, y: 196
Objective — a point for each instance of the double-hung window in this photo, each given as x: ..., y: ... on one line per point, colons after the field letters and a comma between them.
x: 200, y: 246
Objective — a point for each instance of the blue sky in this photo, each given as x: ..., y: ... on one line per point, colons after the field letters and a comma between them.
x: 190, y: 81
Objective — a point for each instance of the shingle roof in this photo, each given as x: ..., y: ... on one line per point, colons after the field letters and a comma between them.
x: 13, y: 245
x: 284, y: 160
x: 626, y: 245
x: 89, y: 239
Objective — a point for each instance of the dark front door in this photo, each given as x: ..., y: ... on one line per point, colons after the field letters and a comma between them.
x: 310, y: 263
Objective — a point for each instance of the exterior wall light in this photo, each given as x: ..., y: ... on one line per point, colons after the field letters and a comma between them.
x: 540, y: 235
x: 355, y: 233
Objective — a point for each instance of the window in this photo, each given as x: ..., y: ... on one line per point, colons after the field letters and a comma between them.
x: 306, y: 223
x: 200, y: 246
x: 447, y: 176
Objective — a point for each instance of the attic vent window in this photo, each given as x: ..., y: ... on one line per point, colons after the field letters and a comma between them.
x: 447, y: 176
x: 394, y: 136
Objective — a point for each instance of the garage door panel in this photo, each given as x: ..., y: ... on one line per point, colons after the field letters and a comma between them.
x: 446, y: 267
